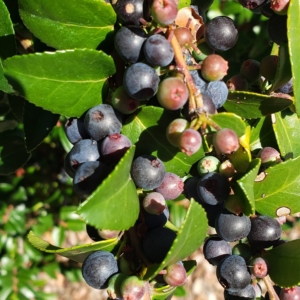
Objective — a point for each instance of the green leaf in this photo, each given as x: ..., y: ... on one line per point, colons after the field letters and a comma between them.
x: 147, y: 129
x: 293, y: 25
x: 231, y: 121
x: 189, y: 238
x: 244, y: 187
x: 13, y: 154
x: 115, y: 204
x: 16, y: 104
x: 76, y: 253
x: 63, y: 25
x: 284, y: 257
x: 7, y: 34
x: 184, y: 3
x: 279, y: 188
x: 63, y: 82
x: 287, y: 132
x: 283, y: 72
x: 64, y: 140
x: 252, y: 105
x: 262, y: 134
x: 38, y: 123
x: 4, y: 86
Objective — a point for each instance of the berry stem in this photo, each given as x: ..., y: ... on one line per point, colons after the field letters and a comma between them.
x: 270, y: 288
x: 195, y: 97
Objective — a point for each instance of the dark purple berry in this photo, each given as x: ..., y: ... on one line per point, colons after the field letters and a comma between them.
x: 237, y: 83
x: 247, y: 293
x: 215, y: 249
x: 140, y: 81
x: 250, y: 70
x: 101, y: 121
x: 277, y: 29
x: 98, y: 267
x: 128, y: 43
x: 157, y: 243
x: 252, y: 4
x: 75, y: 130
x: 232, y: 272
x: 231, y: 227
x: 147, y: 172
x: 220, y: 33
x: 213, y: 188
x: 268, y: 66
x: 154, y: 221
x: 129, y: 11
x: 158, y: 51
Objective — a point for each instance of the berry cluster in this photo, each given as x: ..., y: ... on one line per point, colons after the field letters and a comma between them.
x: 159, y: 64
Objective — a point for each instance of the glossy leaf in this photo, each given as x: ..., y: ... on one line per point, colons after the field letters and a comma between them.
x: 7, y: 34
x: 189, y: 238
x: 240, y: 159
x: 76, y: 253
x: 63, y: 82
x: 244, y: 187
x: 284, y: 72
x: 38, y: 123
x: 115, y: 204
x: 279, y: 188
x: 285, y: 257
x: 262, y: 134
x: 293, y: 25
x: 287, y: 131
x: 63, y: 25
x: 252, y: 105
x: 231, y: 121
x: 13, y: 154
x: 147, y: 129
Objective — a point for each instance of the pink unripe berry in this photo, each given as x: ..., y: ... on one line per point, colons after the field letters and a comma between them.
x: 214, y: 67
x: 164, y: 12
x: 190, y: 141
x: 226, y: 141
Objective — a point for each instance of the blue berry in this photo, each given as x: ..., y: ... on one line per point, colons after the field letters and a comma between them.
x: 218, y: 92
x: 75, y: 130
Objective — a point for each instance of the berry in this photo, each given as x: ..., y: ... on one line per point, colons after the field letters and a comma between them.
x: 172, y: 93
x: 247, y: 293
x: 259, y: 267
x: 147, y: 172
x: 114, y: 146
x: 226, y: 141
x: 171, y: 186
x: 215, y: 249
x: 83, y: 151
x: 232, y: 272
x: 250, y: 70
x: 292, y: 293
x: 108, y: 234
x: 214, y: 67
x: 217, y: 91
x: 114, y: 285
x: 122, y: 102
x: 67, y: 166
x: 75, y: 130
x: 280, y: 7
x: 98, y: 267
x: 128, y: 43
x: 198, y: 80
x: 269, y: 156
x: 154, y: 203
x: 252, y: 4
x: 231, y: 227
x: 154, y: 221
x: 268, y: 66
x: 176, y: 275
x: 244, y: 250
x: 129, y: 11
x: 213, y: 188
x: 132, y: 288
x: 208, y: 105
x: 190, y: 189
x: 164, y: 12
x: 220, y: 33
x: 174, y: 130
x: 158, y: 51
x: 93, y: 233
x: 88, y: 176
x: 190, y: 141
x: 157, y: 243
x: 277, y: 29
x: 234, y: 204
x: 237, y: 83
x: 183, y: 36
x: 208, y: 164
x: 140, y: 81
x: 286, y: 88
x: 100, y: 121
x: 265, y: 231
x: 227, y: 169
